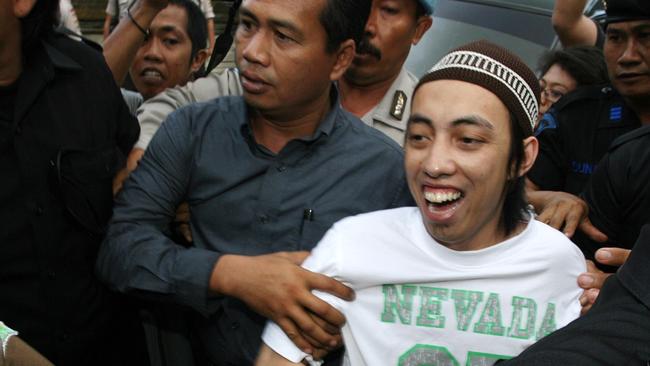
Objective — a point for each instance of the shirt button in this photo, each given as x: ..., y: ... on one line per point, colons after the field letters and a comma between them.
x: 18, y: 131
x: 264, y: 219
x: 234, y: 325
x: 51, y: 275
x: 282, y: 168
x: 39, y: 211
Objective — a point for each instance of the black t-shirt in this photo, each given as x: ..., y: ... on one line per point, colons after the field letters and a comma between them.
x: 575, y: 135
x: 618, y: 193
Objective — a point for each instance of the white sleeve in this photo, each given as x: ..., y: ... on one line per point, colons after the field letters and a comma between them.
x: 324, y: 259
x: 570, y: 263
x: 110, y: 8
x: 206, y: 6
x: 154, y: 111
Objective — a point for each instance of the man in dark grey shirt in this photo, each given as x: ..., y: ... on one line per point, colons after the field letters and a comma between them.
x: 265, y: 173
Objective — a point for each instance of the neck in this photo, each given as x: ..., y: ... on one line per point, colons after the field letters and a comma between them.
x: 275, y: 130
x: 641, y: 106
x: 10, y: 59
x: 358, y: 99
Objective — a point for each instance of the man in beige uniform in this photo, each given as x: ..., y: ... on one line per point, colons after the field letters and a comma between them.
x: 376, y: 88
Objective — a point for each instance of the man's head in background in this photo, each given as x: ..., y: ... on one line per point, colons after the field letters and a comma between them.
x: 289, y: 51
x: 392, y: 28
x: 567, y: 69
x: 174, y: 50
x: 627, y: 47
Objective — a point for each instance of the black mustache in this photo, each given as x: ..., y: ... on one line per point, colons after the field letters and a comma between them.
x: 365, y: 48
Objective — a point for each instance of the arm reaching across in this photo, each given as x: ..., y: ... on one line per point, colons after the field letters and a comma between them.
x: 275, y: 286
x: 563, y: 211
x: 594, y: 279
x: 572, y: 27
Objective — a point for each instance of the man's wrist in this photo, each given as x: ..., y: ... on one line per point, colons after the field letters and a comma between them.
x: 220, y: 279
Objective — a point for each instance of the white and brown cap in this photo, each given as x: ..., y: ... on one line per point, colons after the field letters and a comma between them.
x: 497, y: 70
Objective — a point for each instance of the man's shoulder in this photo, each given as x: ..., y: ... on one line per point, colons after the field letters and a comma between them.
x: 220, y: 113
x: 358, y: 135
x: 551, y: 241
x: 584, y: 96
x: 582, y: 110
x: 638, y: 139
x: 59, y: 45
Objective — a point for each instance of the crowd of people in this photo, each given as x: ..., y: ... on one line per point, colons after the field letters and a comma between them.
x: 318, y: 203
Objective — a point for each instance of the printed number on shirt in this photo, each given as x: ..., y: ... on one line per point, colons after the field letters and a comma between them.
x: 430, y: 355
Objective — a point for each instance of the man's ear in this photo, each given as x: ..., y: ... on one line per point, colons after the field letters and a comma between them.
x: 423, y: 24
x: 199, y: 60
x: 531, y: 147
x: 344, y: 57
x: 23, y: 7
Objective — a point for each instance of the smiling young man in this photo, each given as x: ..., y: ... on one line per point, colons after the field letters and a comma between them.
x: 468, y: 276
x: 262, y: 173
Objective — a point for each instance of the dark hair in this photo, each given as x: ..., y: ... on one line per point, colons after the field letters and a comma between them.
x: 39, y: 22
x: 514, y: 204
x: 420, y: 10
x: 344, y: 19
x: 586, y: 64
x: 197, y: 30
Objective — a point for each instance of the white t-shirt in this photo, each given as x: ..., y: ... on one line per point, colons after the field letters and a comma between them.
x: 420, y: 303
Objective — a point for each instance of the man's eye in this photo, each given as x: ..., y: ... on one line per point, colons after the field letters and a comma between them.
x: 470, y: 141
x: 245, y: 24
x: 389, y: 10
x: 170, y: 41
x: 283, y: 37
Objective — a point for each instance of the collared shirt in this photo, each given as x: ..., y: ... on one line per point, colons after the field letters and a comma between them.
x: 618, y: 193
x: 243, y: 199
x: 391, y: 115
x: 396, y: 102
x: 68, y: 129
x: 575, y: 135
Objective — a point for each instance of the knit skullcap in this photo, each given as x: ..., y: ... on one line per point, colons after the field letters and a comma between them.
x: 497, y: 70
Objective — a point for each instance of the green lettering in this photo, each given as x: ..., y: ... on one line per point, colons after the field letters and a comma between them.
x: 548, y: 325
x: 490, y: 321
x: 465, y: 304
x: 430, y: 307
x: 527, y: 329
x: 425, y: 355
x: 394, y: 304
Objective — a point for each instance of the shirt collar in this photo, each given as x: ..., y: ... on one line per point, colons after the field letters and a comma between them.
x: 325, y: 128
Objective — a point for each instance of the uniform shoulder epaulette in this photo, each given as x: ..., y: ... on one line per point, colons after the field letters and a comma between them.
x: 583, y: 93
x: 632, y: 135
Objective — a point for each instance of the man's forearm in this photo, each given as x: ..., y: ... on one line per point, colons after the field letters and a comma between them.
x: 268, y: 357
x: 123, y: 43
x: 572, y: 27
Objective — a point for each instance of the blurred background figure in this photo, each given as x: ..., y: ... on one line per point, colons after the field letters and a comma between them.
x: 68, y: 16
x: 565, y: 70
x: 116, y: 10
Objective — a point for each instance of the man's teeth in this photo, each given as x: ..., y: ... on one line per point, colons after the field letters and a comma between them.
x: 438, y: 197
x: 152, y: 73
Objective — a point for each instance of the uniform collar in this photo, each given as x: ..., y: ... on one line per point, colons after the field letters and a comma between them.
x: 394, y: 108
